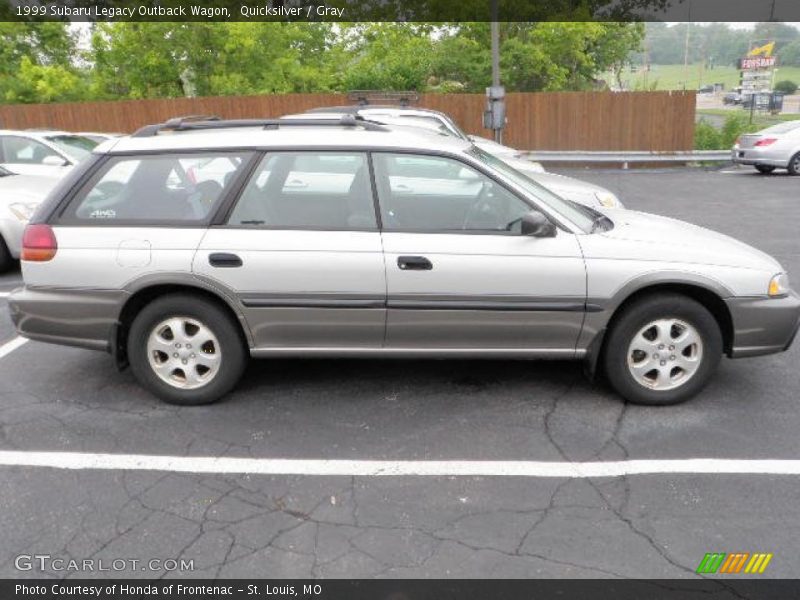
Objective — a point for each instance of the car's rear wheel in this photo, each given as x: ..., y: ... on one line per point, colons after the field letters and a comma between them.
x: 765, y: 169
x: 662, y: 350
x: 186, y: 350
x: 6, y: 260
x: 794, y: 165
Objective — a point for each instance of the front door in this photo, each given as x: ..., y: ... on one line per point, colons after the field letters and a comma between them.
x: 460, y: 276
x: 302, y: 252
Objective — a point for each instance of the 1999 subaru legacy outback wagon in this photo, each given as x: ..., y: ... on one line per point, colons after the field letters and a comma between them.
x: 190, y: 244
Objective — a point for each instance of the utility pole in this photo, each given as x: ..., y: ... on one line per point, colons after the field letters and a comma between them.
x: 686, y: 48
x: 686, y: 57
x: 494, y: 117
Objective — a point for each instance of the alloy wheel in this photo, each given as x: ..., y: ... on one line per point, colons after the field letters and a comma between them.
x: 665, y: 354
x: 184, y: 353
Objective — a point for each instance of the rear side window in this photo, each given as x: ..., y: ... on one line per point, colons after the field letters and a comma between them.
x: 314, y: 190
x: 155, y: 189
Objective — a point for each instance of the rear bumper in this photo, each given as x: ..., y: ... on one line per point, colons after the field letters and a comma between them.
x: 82, y: 318
x: 763, y: 325
x: 754, y: 156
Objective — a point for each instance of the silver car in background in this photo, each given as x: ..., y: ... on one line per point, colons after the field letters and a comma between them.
x: 20, y: 195
x: 192, y: 245
x: 42, y: 151
x: 776, y: 147
x: 436, y: 122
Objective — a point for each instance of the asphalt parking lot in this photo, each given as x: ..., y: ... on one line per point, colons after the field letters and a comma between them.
x: 245, y: 525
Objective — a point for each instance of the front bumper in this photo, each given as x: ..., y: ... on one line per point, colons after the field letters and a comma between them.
x: 763, y: 325
x: 82, y: 318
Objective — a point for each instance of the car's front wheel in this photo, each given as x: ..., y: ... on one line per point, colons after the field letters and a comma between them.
x: 662, y: 350
x: 186, y: 350
x: 765, y: 169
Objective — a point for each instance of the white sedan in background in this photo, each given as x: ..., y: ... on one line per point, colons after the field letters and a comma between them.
x: 435, y: 122
x: 42, y: 152
x: 777, y: 147
x: 20, y: 195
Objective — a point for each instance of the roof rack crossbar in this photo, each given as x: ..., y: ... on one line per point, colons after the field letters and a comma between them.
x: 178, y: 121
x: 181, y: 124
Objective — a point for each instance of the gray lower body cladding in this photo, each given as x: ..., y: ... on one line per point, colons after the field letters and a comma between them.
x: 88, y: 319
x: 82, y: 318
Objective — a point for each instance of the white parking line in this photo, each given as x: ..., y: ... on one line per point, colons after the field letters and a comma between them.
x: 385, y: 468
x: 9, y: 347
x: 5, y: 294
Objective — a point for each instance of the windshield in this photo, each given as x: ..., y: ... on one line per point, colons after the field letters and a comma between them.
x: 582, y: 216
x: 76, y: 146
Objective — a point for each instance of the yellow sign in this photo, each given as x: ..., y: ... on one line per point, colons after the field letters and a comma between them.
x: 765, y: 50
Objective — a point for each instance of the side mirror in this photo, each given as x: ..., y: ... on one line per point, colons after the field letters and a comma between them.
x: 54, y: 161
x: 536, y: 224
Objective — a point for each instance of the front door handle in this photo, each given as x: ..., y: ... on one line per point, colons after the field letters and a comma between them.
x: 414, y: 263
x: 224, y: 260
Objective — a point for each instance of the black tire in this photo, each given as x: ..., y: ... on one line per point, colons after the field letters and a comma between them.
x: 232, y: 352
x: 765, y: 169
x: 632, y: 320
x: 6, y: 260
x: 794, y: 165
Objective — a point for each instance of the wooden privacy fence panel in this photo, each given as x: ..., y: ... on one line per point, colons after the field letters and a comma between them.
x: 656, y: 121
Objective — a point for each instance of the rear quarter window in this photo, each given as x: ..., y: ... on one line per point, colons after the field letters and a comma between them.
x: 155, y: 189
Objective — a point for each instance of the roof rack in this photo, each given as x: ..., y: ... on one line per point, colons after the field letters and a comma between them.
x: 193, y: 124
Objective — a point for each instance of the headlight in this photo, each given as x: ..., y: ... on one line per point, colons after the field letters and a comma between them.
x: 23, y: 210
x: 779, y: 286
x: 608, y: 200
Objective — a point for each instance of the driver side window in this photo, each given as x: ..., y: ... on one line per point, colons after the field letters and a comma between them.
x: 438, y: 194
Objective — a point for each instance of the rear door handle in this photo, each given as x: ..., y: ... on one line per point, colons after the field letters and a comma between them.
x: 414, y: 263
x: 224, y: 260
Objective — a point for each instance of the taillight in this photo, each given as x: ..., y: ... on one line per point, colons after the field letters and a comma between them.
x: 38, y: 243
x: 766, y: 141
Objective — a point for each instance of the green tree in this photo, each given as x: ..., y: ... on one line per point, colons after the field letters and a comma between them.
x: 536, y: 56
x: 789, y: 55
x: 142, y: 60
x: 386, y: 56
x: 35, y: 63
x: 786, y: 86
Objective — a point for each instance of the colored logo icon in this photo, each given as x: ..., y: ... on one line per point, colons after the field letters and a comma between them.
x: 737, y: 562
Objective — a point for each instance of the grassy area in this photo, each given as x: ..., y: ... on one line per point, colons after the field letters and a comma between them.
x: 672, y: 77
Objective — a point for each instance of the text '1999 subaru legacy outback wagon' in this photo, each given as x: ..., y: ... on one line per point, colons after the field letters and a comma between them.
x: 189, y: 245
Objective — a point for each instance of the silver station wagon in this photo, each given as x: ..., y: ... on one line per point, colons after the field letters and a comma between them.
x: 191, y: 245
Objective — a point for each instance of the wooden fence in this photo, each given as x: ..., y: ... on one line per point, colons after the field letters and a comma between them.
x: 656, y: 121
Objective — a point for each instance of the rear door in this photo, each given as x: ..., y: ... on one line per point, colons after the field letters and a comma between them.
x: 460, y: 276
x: 302, y: 252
